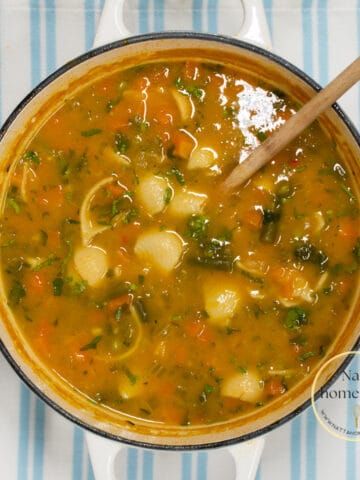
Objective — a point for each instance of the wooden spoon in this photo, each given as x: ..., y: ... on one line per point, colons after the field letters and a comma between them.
x: 293, y: 127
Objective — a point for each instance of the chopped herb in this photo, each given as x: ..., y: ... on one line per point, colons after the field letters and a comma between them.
x: 168, y: 195
x: 241, y: 369
x: 131, y: 214
x: 90, y: 133
x: 308, y: 253
x: 229, y: 112
x: 197, y: 226
x: 58, y: 284
x: 111, y: 104
x: 178, y: 175
x: 79, y: 287
x: 205, y: 393
x: 52, y: 258
x: 91, y: 345
x: 8, y: 243
x: 121, y: 143
x: 140, y: 308
x: 132, y: 378
x: 32, y: 156
x: 261, y: 135
x: 17, y: 292
x: 251, y: 276
x: 295, y: 318
x: 118, y: 313
x: 141, y: 279
x: 140, y: 123
x: 307, y: 355
x: 348, y: 192
x: 14, y: 205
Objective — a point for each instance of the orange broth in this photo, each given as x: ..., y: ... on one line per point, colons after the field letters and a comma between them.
x: 137, y: 282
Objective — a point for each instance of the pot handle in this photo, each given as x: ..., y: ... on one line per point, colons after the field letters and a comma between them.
x: 105, y: 457
x: 254, y: 28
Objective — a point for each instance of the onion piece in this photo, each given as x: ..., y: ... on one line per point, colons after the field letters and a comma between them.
x: 88, y: 229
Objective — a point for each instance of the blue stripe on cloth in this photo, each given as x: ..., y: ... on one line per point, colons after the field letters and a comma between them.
x: 23, y: 434
x: 132, y: 464
x: 186, y: 461
x: 90, y: 472
x: 351, y: 446
x: 35, y: 42
x: 78, y: 451
x: 268, y: 5
x: 50, y: 22
x: 159, y: 23
x: 311, y: 451
x: 143, y: 16
x: 89, y: 24
x: 323, y: 42
x: 212, y: 16
x: 201, y: 466
x: 39, y: 438
x: 197, y: 15
x: 148, y: 465
x: 295, y: 449
x: 307, y: 36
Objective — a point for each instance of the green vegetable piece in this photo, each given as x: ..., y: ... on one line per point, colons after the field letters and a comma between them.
x: 32, y: 156
x: 121, y: 143
x: 269, y: 227
x: 197, y: 226
x: 307, y: 355
x: 261, y: 135
x: 58, y: 284
x: 132, y: 378
x: 90, y: 133
x: 52, y: 258
x: 284, y: 189
x: 308, y: 253
x: 17, y: 293
x: 14, y: 205
x: 167, y: 195
x: 92, y: 344
x: 295, y: 318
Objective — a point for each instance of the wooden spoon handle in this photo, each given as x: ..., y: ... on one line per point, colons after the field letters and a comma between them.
x: 294, y: 126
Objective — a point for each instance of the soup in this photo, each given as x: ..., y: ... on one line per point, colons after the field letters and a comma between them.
x: 136, y: 281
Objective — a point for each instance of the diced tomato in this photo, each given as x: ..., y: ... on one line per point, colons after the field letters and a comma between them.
x: 274, y: 387
x: 348, y: 228
x: 253, y: 218
x: 36, y: 283
x: 117, y: 302
x: 183, y: 144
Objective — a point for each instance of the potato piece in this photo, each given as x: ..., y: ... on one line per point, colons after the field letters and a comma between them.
x: 244, y: 386
x: 187, y: 203
x: 221, y: 298
x: 130, y: 386
x: 201, y: 158
x: 120, y: 159
x: 163, y: 250
x: 184, y: 104
x: 91, y: 263
x: 153, y: 193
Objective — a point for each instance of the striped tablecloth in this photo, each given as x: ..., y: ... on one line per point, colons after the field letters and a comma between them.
x: 36, y: 36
